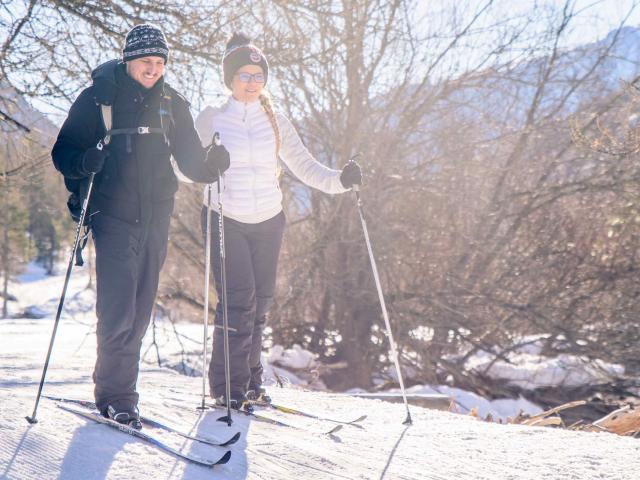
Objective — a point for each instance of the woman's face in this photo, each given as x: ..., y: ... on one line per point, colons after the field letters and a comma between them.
x: 247, y: 83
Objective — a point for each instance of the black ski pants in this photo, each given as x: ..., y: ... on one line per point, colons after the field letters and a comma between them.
x: 251, y: 264
x: 128, y: 263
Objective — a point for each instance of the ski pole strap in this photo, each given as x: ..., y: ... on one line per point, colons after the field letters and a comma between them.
x: 85, y: 239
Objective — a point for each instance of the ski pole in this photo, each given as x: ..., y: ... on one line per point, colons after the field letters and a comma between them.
x: 376, y: 277
x: 225, y: 317
x: 223, y: 288
x: 207, y: 274
x: 85, y: 206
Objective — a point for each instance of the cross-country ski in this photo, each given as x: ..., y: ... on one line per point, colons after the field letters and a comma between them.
x: 98, y: 418
x: 156, y: 424
x: 293, y: 411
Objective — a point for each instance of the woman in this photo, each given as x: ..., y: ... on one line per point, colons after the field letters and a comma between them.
x: 255, y: 136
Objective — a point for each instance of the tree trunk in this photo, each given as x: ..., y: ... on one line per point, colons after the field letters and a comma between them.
x: 6, y: 270
x: 355, y: 348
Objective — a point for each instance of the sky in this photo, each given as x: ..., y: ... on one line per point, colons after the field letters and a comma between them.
x: 595, y: 19
x: 599, y: 17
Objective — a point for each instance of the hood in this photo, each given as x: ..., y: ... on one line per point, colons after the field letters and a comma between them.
x: 104, y: 81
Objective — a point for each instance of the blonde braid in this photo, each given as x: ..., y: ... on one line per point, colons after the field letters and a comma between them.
x: 267, y: 105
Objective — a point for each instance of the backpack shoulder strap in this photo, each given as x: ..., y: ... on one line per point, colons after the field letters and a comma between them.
x: 107, y: 121
x: 166, y: 112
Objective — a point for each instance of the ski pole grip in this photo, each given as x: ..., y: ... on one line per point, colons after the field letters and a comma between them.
x: 355, y: 187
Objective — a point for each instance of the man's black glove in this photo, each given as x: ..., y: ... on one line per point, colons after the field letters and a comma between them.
x: 218, y: 159
x: 93, y: 161
x: 351, y: 174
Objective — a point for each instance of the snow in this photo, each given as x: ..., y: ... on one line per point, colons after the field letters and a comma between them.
x: 295, y: 357
x: 528, y: 369
x: 439, y: 445
x: 32, y: 273
x: 465, y: 401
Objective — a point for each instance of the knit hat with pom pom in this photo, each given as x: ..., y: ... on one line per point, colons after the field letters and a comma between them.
x: 240, y: 52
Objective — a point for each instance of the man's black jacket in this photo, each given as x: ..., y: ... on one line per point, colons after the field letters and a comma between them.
x: 137, y: 177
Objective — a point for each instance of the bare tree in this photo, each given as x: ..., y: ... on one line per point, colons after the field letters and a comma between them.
x: 26, y: 192
x: 13, y: 165
x: 488, y: 222
x: 465, y: 162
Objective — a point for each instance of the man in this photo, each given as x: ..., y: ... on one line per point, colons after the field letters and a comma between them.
x: 132, y: 198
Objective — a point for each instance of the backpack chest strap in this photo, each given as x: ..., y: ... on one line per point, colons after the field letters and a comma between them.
x: 107, y: 120
x: 134, y: 131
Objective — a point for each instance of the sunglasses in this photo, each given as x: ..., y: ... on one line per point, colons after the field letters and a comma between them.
x: 247, y: 77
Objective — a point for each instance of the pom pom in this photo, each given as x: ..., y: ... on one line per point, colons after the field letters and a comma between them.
x: 238, y: 39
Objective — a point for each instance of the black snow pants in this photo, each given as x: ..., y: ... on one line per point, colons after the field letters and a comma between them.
x: 128, y: 263
x: 251, y: 264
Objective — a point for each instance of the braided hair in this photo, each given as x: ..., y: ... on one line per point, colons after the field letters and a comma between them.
x: 267, y: 105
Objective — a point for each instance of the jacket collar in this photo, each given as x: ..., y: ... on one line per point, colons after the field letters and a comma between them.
x: 104, y: 82
x: 241, y: 107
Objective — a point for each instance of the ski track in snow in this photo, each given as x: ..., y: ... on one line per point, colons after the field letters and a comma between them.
x: 438, y: 446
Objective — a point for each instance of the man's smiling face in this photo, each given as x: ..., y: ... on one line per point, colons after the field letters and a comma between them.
x: 146, y: 70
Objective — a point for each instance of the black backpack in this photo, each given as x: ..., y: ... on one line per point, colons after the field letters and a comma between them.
x: 79, y: 187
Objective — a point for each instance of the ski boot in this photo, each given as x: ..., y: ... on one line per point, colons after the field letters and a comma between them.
x: 126, y: 416
x: 258, y: 396
x: 239, y: 401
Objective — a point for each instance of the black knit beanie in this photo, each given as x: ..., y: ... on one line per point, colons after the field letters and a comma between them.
x: 240, y: 52
x: 145, y: 40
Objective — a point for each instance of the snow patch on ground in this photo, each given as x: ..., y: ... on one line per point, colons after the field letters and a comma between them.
x: 295, y: 358
x: 528, y: 369
x: 464, y: 402
x: 33, y: 272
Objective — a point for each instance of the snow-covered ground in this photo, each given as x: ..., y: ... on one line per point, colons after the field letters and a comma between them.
x: 439, y: 445
x: 528, y: 369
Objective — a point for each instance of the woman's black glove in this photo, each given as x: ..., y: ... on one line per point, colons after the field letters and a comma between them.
x: 218, y: 159
x: 93, y: 161
x: 351, y: 174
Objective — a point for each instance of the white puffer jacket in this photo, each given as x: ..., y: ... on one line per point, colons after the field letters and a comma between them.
x: 251, y: 193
